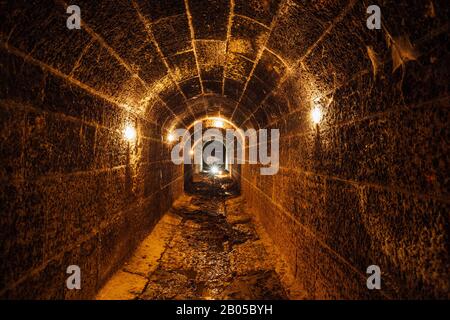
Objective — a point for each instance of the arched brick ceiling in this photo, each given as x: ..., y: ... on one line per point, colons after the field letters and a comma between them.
x: 175, y: 60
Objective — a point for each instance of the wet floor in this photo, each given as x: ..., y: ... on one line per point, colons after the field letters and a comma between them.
x: 205, y: 247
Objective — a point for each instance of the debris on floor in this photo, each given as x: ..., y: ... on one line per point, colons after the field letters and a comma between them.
x: 205, y: 247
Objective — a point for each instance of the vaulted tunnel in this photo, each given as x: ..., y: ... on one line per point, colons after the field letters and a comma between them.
x: 86, y: 172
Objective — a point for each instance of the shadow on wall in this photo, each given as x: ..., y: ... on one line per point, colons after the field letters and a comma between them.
x: 128, y: 175
x: 317, y: 151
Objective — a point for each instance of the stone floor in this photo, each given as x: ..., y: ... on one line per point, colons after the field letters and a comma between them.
x: 205, y: 247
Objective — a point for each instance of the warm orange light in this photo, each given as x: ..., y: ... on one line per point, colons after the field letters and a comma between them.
x: 129, y: 133
x: 170, y: 137
x: 214, y: 170
x: 218, y: 123
x: 316, y: 115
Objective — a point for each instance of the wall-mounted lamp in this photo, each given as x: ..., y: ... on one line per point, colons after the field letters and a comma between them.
x: 316, y: 115
x: 170, y: 137
x: 129, y: 133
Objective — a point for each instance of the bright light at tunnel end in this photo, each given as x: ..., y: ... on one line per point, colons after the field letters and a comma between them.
x: 129, y: 133
x: 214, y: 170
x: 316, y: 115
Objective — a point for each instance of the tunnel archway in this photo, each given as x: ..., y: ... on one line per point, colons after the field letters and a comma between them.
x: 211, y: 141
x: 372, y: 190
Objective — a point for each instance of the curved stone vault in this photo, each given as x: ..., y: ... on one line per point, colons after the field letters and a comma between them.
x: 367, y: 185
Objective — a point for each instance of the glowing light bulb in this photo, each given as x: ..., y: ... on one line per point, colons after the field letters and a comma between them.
x: 129, y: 133
x: 214, y: 170
x: 171, y: 137
x: 218, y: 123
x: 316, y: 115
x: 191, y: 152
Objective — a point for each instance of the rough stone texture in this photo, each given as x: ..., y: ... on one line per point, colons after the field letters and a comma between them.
x: 368, y: 184
x: 73, y: 191
x: 375, y: 170
x: 205, y: 247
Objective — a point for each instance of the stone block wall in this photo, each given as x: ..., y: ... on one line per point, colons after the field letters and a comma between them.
x: 369, y: 184
x: 73, y: 190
